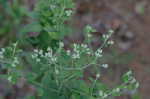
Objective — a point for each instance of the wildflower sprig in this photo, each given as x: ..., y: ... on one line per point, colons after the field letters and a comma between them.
x: 88, y: 30
x: 128, y: 82
x: 64, y: 69
x: 11, y: 61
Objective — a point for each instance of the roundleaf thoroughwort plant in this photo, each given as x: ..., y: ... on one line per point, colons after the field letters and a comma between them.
x: 58, y: 73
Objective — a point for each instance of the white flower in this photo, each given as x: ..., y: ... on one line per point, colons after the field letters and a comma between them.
x: 89, y: 53
x: 10, y: 78
x: 117, y: 89
x: 33, y: 56
x: 38, y: 60
x: 41, y: 52
x: 137, y: 85
x: 133, y: 80
x: 97, y: 75
x: 89, y: 29
x: 111, y: 31
x: 1, y: 56
x: 68, y: 52
x: 105, y: 65
x: 57, y: 71
x: 110, y: 42
x: 98, y: 53
x: 3, y: 50
x: 106, y: 36
x: 87, y: 49
x: 54, y: 59
x: 69, y: 12
x: 49, y: 49
x: 129, y: 73
x: 75, y: 46
x: 16, y: 60
x: 36, y: 50
x: 75, y: 56
x: 15, y: 44
x: 49, y: 54
x: 2, y: 53
x: 84, y: 46
x: 52, y: 6
x: 61, y: 44
x: 89, y: 35
x: 101, y: 93
x: 13, y: 65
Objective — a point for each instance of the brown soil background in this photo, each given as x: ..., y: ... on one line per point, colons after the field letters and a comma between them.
x: 131, y: 21
x: 132, y: 35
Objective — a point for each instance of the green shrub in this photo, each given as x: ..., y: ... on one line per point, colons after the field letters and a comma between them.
x: 12, y: 15
x: 49, y: 18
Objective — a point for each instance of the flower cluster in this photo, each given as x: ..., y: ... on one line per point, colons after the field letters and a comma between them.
x: 89, y: 29
x: 128, y: 78
x: 68, y: 12
x: 105, y: 65
x: 129, y: 81
x: 79, y: 49
x: 66, y: 66
x: 2, y: 53
x: 110, y: 42
x: 102, y: 94
x: 40, y: 54
x: 15, y: 62
x: 98, y: 53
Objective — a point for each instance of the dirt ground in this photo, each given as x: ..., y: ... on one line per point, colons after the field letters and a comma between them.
x: 131, y: 20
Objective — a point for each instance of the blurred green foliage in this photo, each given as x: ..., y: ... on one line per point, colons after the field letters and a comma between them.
x: 48, y: 20
x: 12, y: 15
x: 41, y: 27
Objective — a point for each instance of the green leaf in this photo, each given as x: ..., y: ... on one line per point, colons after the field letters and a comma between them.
x: 33, y: 27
